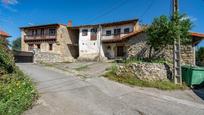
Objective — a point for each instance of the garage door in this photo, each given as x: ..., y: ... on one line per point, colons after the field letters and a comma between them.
x: 23, y: 57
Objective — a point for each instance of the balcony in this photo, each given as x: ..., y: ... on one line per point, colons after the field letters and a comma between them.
x: 111, y: 37
x: 39, y: 37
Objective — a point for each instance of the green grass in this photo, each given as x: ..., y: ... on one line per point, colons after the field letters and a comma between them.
x: 133, y: 81
x: 81, y: 68
x: 147, y: 60
x: 17, y: 93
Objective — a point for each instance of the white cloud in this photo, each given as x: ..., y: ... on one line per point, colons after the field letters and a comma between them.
x: 9, y: 2
x: 190, y: 17
x: 30, y: 23
x: 10, y: 8
x: 193, y: 18
x: 9, y: 5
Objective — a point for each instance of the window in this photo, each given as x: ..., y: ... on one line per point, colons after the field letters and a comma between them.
x: 108, y: 32
x: 84, y: 32
x: 38, y: 46
x: 33, y: 32
x: 52, y: 32
x: 36, y: 32
x: 42, y: 32
x: 108, y: 47
x: 30, y: 47
x: 50, y: 47
x: 94, y: 30
x: 117, y: 31
x: 126, y: 30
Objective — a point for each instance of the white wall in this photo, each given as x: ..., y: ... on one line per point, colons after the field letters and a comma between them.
x: 86, y: 45
x: 122, y: 27
x: 90, y: 48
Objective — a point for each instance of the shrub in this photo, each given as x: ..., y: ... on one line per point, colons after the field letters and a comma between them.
x: 17, y: 93
x: 7, y: 64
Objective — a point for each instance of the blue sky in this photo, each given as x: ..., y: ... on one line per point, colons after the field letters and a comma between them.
x: 17, y: 13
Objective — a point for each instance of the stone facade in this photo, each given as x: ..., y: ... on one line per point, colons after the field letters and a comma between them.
x: 59, y: 46
x: 137, y: 47
x: 145, y: 71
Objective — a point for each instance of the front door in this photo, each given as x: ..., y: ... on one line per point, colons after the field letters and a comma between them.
x: 120, y: 51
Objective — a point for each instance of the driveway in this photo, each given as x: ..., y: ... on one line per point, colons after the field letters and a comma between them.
x: 63, y: 93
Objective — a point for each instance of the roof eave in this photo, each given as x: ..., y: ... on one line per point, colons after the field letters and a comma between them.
x: 108, y: 24
x: 38, y: 26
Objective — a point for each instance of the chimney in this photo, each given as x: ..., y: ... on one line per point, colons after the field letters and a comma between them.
x: 69, y: 23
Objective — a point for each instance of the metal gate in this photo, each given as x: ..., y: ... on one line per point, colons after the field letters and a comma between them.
x: 23, y: 57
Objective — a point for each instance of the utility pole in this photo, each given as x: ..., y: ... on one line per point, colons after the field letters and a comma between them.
x: 177, y: 47
x: 100, y: 37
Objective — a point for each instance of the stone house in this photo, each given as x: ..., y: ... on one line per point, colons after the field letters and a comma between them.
x: 122, y: 39
x: 50, y: 43
x: 92, y: 37
x: 136, y: 46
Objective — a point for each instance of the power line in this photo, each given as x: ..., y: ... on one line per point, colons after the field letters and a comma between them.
x: 147, y: 9
x: 115, y: 7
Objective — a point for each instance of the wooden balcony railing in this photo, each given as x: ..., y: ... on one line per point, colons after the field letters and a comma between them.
x: 39, y: 37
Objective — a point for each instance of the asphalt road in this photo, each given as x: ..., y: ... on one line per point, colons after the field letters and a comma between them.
x: 66, y: 94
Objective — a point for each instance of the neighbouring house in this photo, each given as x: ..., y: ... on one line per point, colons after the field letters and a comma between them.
x: 4, y: 35
x: 50, y: 43
x: 136, y: 47
x: 91, y: 37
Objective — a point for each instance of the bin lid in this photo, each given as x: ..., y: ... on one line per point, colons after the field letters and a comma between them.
x: 198, y: 68
x: 186, y: 66
x: 193, y: 67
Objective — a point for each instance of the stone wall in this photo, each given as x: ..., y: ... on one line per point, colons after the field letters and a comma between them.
x: 146, y: 71
x: 47, y: 57
x: 137, y: 47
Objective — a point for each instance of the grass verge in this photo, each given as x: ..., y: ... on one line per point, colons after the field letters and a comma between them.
x: 147, y: 60
x: 17, y: 93
x: 133, y: 81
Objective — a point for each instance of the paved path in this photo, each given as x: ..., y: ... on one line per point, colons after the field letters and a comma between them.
x: 65, y: 94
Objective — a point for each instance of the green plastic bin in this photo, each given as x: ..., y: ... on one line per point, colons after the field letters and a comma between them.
x: 192, y: 75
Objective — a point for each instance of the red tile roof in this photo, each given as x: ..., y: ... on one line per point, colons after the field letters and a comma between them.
x: 123, y: 38
x: 195, y: 34
x: 4, y: 34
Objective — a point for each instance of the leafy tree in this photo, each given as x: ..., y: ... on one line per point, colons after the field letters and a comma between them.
x: 200, y: 55
x: 16, y: 44
x: 163, y: 31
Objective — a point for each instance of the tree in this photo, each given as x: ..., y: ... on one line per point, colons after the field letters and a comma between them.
x: 16, y: 44
x: 200, y: 55
x: 163, y: 31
